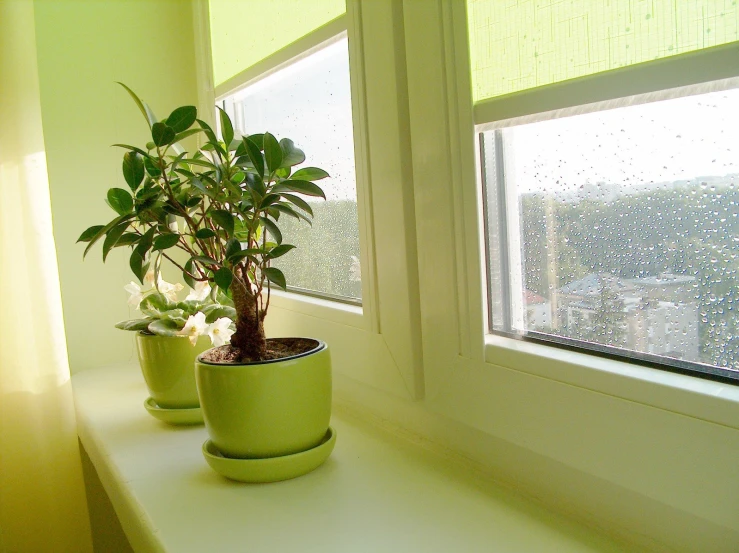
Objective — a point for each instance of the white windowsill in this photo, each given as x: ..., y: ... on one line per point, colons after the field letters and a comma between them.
x: 692, y: 396
x: 342, y: 313
x: 376, y: 492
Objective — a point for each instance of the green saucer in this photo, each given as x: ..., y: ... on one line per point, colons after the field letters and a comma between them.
x: 177, y: 417
x: 272, y: 469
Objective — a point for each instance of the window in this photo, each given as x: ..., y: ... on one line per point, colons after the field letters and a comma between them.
x: 618, y: 230
x: 309, y: 101
x: 606, y: 147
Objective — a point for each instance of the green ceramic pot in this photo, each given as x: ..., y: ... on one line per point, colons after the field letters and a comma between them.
x: 267, y: 409
x: 167, y: 364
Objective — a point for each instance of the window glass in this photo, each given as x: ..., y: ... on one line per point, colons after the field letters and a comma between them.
x: 310, y: 103
x: 520, y: 44
x: 620, y: 228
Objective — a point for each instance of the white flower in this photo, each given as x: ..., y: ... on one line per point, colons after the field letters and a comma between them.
x: 169, y: 290
x: 220, y: 331
x: 194, y: 327
x: 149, y: 277
x: 134, y: 300
x: 200, y: 292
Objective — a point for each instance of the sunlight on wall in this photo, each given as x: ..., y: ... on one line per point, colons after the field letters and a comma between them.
x: 243, y: 33
x: 40, y: 468
x: 520, y: 44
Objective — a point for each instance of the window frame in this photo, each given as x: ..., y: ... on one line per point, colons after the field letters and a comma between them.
x: 358, y: 314
x: 511, y: 257
x: 331, y: 33
x: 459, y: 268
x: 379, y: 342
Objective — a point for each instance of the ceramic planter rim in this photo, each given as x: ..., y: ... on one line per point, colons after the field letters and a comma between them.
x: 150, y: 334
x: 320, y: 347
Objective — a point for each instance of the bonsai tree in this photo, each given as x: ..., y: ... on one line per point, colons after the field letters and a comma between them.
x: 213, y: 214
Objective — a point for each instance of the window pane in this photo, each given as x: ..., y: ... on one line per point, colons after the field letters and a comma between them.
x: 310, y: 103
x: 520, y: 44
x: 620, y: 228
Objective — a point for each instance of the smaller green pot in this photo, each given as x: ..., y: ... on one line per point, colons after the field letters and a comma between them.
x: 267, y: 409
x: 167, y: 363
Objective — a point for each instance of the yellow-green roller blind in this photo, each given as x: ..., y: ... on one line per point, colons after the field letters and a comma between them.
x: 521, y: 44
x: 244, y: 32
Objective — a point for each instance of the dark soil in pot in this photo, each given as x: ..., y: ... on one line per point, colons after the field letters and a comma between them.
x: 277, y: 349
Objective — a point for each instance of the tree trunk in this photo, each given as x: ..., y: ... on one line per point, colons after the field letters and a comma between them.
x: 249, y: 337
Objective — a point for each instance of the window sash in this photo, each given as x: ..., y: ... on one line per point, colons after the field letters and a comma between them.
x: 503, y: 240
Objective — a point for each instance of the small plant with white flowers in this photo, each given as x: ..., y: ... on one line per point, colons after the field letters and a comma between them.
x: 163, y: 315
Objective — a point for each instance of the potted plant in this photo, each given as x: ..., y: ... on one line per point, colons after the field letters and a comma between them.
x: 261, y: 399
x: 167, y: 344
x: 165, y: 353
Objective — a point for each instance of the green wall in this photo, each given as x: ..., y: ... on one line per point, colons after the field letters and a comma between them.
x: 83, y: 48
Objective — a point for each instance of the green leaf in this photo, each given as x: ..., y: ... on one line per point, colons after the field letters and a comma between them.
x: 300, y: 202
x: 273, y: 229
x: 310, y: 173
x: 177, y: 316
x: 162, y: 327
x: 286, y: 208
x: 182, y: 118
x: 127, y: 239
x: 162, y: 134
x: 135, y: 324
x: 145, y: 243
x: 224, y: 219
x: 204, y: 233
x: 189, y: 270
x: 136, y: 262
x: 112, y: 238
x: 204, y: 259
x: 283, y: 172
x: 120, y: 200
x: 90, y: 233
x: 227, y: 129
x: 207, y: 130
x: 300, y: 186
x: 268, y: 200
x: 255, y: 155
x: 258, y: 139
x: 290, y: 154
x: 152, y: 169
x: 200, y: 162
x: 276, y: 277
x: 223, y: 278
x: 280, y: 250
x: 155, y: 304
x: 272, y: 152
x: 133, y: 169
x: 147, y: 113
x: 214, y: 312
x: 190, y: 307
x: 251, y: 253
x: 232, y: 247
x: 165, y: 241
x: 139, y: 151
x: 104, y: 230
